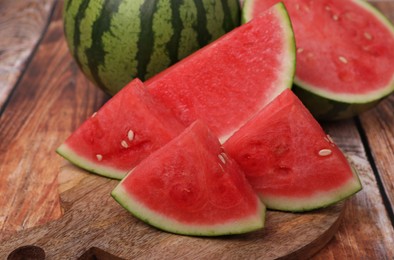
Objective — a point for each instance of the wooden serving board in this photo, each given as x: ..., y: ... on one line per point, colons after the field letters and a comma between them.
x: 94, y: 226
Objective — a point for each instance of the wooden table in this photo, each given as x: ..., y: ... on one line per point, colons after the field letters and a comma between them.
x: 44, y: 97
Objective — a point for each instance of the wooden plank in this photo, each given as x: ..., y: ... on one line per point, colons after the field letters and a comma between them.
x: 51, y: 100
x: 21, y: 25
x: 366, y: 231
x: 93, y: 219
x: 378, y: 125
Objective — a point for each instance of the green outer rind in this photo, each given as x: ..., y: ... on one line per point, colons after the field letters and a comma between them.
x: 146, y: 50
x: 247, y: 8
x: 66, y: 152
x: 325, y: 109
x: 318, y: 200
x: 240, y: 226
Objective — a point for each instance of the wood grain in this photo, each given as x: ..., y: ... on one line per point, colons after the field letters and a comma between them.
x: 21, y: 25
x: 52, y: 99
x: 93, y: 219
x: 366, y: 231
x: 378, y: 125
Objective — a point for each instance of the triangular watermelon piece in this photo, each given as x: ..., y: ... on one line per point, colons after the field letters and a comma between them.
x: 129, y: 127
x: 289, y: 160
x: 190, y: 186
x: 228, y: 81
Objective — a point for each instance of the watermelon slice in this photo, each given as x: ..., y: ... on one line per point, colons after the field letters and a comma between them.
x: 124, y: 131
x: 227, y: 82
x: 190, y: 186
x: 289, y: 160
x: 345, y: 54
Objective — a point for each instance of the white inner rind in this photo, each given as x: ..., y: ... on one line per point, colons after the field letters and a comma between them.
x: 348, y: 98
x: 317, y: 200
x: 77, y: 159
x: 287, y: 58
x: 236, y: 226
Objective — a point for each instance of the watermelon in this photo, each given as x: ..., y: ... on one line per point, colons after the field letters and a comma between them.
x: 124, y: 131
x: 289, y: 160
x: 190, y: 186
x: 225, y: 84
x: 344, y: 54
x: 114, y: 41
x: 228, y: 81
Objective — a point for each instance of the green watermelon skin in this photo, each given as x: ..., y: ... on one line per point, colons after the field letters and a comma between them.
x: 289, y: 160
x: 344, y: 54
x: 114, y: 41
x: 124, y: 131
x: 325, y: 109
x: 191, y: 187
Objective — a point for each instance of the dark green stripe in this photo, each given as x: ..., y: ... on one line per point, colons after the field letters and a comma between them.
x: 228, y: 23
x: 67, y: 4
x: 145, y: 41
x: 203, y: 35
x: 96, y: 54
x: 173, y: 44
x: 77, y: 33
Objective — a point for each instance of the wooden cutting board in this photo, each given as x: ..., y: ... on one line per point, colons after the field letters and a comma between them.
x: 94, y: 226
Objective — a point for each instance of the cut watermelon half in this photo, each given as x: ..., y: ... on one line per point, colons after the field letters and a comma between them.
x: 124, y: 131
x: 190, y: 186
x: 345, y: 54
x: 227, y: 82
x: 289, y: 160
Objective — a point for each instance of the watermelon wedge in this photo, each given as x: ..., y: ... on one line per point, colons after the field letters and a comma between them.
x: 345, y: 54
x: 289, y: 160
x: 228, y: 81
x: 124, y: 131
x: 190, y: 186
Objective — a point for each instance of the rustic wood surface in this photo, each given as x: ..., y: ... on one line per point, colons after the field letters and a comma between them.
x: 22, y: 24
x: 44, y: 97
x: 93, y: 219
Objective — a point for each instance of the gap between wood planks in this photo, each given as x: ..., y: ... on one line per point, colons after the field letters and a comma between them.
x: 371, y: 160
x: 29, y: 58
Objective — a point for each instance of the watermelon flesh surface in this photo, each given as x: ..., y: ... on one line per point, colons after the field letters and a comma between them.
x: 289, y: 160
x: 344, y: 48
x: 227, y: 82
x: 190, y: 186
x: 124, y: 131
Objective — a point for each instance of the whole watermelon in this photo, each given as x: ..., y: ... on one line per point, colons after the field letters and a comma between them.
x: 114, y: 41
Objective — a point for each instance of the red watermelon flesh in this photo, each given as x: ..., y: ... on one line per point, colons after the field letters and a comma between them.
x: 124, y: 131
x: 344, y: 47
x: 228, y: 81
x: 190, y: 186
x: 289, y: 160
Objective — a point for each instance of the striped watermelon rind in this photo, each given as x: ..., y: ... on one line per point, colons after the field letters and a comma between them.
x: 114, y: 41
x: 325, y: 109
